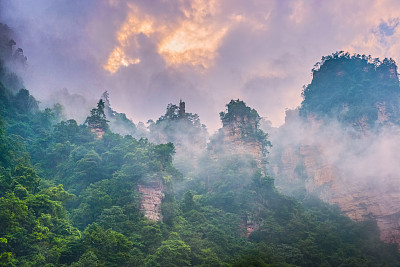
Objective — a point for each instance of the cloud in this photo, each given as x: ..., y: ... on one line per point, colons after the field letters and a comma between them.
x: 150, y: 53
x: 192, y: 37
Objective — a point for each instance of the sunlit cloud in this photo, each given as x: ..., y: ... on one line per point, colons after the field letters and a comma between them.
x: 133, y: 26
x: 261, y: 51
x: 192, y: 44
x: 192, y: 39
x: 118, y: 58
x: 197, y: 37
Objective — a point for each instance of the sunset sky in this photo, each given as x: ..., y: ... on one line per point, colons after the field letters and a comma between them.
x: 149, y: 53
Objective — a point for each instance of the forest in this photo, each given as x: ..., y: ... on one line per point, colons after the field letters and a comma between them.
x: 71, y: 194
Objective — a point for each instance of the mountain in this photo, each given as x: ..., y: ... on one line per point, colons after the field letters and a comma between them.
x: 355, y: 90
x: 240, y: 133
x: 82, y: 195
x: 341, y: 144
x: 119, y: 123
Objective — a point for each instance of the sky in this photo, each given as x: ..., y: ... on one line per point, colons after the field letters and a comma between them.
x: 149, y: 53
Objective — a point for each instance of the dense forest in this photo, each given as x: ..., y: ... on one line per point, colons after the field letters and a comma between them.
x: 70, y: 193
x: 354, y: 89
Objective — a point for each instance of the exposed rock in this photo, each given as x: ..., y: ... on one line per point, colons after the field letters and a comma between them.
x: 99, y: 132
x: 360, y: 198
x: 240, y: 134
x: 150, y: 203
x: 382, y: 113
x: 184, y: 130
x: 236, y: 144
x: 342, y: 146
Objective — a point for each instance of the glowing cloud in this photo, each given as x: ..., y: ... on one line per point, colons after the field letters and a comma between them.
x: 197, y: 38
x: 126, y: 38
x: 192, y: 44
x: 117, y: 59
x: 192, y: 39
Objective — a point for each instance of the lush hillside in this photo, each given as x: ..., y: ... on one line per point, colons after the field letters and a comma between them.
x: 356, y: 90
x: 343, y: 146
x: 69, y: 196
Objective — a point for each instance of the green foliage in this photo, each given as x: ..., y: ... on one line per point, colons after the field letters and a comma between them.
x: 163, y: 153
x: 119, y: 123
x: 172, y: 253
x: 26, y: 177
x: 24, y: 102
x: 151, y: 237
x: 230, y: 215
x: 110, y: 248
x: 58, y: 194
x: 238, y: 110
x: 88, y: 167
x: 34, y: 227
x: 353, y: 89
x: 97, y: 118
x: 187, y: 203
x: 239, y: 118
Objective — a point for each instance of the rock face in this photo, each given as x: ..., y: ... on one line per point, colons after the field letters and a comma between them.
x: 306, y: 168
x: 184, y: 130
x: 360, y: 201
x: 343, y: 145
x: 249, y: 225
x: 150, y: 203
x: 236, y: 144
x: 99, y: 132
x: 240, y: 134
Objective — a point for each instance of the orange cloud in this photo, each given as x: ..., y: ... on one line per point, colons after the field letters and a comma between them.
x: 192, y: 39
x: 132, y: 26
x: 192, y: 44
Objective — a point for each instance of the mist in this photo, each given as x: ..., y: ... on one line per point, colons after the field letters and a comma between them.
x: 257, y: 51
x: 179, y: 133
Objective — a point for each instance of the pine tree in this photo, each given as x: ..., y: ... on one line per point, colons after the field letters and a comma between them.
x: 97, y: 119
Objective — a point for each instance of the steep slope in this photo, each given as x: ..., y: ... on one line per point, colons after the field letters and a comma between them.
x: 185, y: 131
x: 125, y: 212
x: 240, y: 134
x: 118, y: 122
x: 342, y: 144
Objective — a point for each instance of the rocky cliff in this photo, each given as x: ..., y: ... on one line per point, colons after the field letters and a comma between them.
x: 360, y: 200
x: 240, y: 134
x: 151, y: 199
x: 341, y: 144
x: 357, y: 173
x: 236, y: 144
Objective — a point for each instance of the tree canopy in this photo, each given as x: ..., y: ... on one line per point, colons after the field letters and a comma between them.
x: 71, y: 198
x: 353, y: 89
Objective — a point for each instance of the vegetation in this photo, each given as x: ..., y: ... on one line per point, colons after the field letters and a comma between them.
x: 239, y: 119
x: 353, y: 89
x: 70, y: 198
x: 97, y: 118
x: 118, y: 122
x: 178, y: 126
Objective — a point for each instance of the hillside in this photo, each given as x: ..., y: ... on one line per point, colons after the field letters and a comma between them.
x: 357, y: 90
x: 341, y: 145
x: 81, y: 195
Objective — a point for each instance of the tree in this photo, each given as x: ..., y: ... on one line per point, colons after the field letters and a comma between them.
x: 151, y: 237
x: 110, y: 247
x: 26, y: 177
x: 163, y: 154
x: 97, y: 118
x: 24, y: 102
x: 172, y: 253
x: 89, y: 168
x: 188, y: 203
